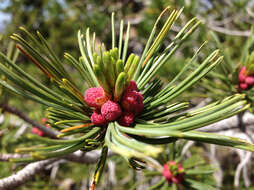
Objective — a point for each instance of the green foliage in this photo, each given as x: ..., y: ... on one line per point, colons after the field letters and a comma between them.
x: 66, y: 98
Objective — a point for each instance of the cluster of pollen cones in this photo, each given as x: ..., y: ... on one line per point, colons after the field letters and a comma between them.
x: 245, y: 81
x: 107, y: 110
x: 173, y: 172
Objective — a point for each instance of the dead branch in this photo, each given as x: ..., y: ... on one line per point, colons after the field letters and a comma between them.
x: 29, y: 171
x: 24, y: 175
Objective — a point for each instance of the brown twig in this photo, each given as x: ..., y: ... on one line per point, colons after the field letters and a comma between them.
x: 48, y: 131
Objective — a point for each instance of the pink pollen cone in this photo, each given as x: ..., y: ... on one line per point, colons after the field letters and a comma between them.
x: 111, y: 110
x: 97, y: 118
x: 243, y: 70
x: 249, y: 80
x: 132, y: 101
x: 44, y: 120
x: 95, y: 97
x: 166, y: 172
x: 132, y: 86
x: 37, y: 131
x: 241, y: 77
x: 243, y: 86
x: 126, y: 119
